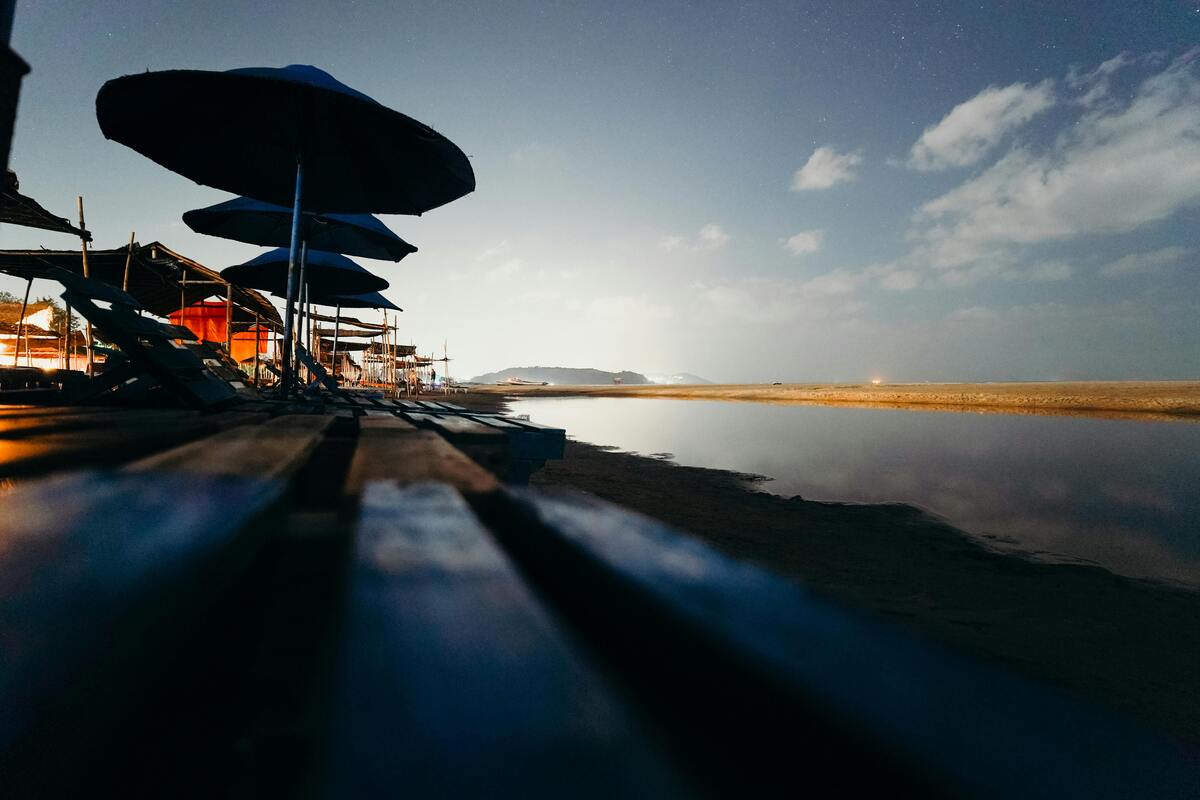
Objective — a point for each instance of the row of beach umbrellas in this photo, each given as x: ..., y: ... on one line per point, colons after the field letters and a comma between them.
x: 317, y: 161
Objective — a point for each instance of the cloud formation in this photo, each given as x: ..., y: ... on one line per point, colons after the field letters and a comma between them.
x: 1144, y: 263
x: 804, y: 242
x: 1118, y: 168
x: 974, y: 127
x: 710, y: 237
x: 825, y: 168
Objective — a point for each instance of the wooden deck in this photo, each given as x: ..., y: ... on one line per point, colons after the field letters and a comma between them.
x: 348, y: 597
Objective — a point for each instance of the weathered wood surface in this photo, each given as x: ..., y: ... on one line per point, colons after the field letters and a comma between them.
x: 273, y: 449
x: 771, y: 683
x: 113, y: 439
x: 390, y: 448
x: 453, y: 681
x: 100, y: 576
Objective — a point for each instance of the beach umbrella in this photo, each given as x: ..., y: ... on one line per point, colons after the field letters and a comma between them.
x: 290, y: 136
x: 245, y: 219
x: 328, y: 273
x: 368, y: 300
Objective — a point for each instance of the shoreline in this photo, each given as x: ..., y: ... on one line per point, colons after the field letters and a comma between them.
x: 1141, y: 400
x: 1126, y: 643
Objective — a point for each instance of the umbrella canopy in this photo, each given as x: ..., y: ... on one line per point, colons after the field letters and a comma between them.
x: 328, y: 273
x: 244, y: 131
x: 368, y: 300
x: 252, y: 221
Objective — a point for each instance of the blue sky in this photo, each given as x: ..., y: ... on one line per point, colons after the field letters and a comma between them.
x: 755, y: 191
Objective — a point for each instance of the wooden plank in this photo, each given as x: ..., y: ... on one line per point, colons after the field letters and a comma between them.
x: 274, y: 449
x: 102, y: 575
x: 457, y: 427
x: 869, y: 710
x: 109, y: 445
x: 391, y: 449
x: 452, y: 681
x: 83, y: 419
x: 526, y: 443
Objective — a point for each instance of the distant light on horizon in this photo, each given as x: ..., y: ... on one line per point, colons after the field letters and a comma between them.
x: 876, y: 381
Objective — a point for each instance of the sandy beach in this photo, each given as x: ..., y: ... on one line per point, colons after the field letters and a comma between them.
x: 1128, y: 644
x: 1135, y: 399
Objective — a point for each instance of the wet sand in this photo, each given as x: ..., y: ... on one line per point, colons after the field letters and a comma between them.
x: 1135, y: 399
x: 1130, y: 644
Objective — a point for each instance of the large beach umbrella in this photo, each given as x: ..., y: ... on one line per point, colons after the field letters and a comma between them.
x: 244, y: 219
x: 290, y: 136
x: 327, y: 273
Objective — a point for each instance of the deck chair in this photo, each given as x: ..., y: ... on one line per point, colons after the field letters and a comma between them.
x: 152, y: 355
x: 323, y: 380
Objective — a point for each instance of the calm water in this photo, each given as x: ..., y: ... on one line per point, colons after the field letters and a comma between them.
x: 1122, y: 494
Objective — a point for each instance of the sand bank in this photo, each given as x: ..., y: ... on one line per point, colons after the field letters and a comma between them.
x: 1138, y: 399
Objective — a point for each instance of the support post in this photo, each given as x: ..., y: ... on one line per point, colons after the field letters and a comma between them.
x: 285, y: 382
x: 21, y: 325
x: 229, y: 318
x: 91, y: 356
x: 337, y: 324
x: 257, y: 334
x: 128, y: 259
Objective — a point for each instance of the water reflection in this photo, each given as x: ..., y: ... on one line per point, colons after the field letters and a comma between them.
x: 1117, y: 493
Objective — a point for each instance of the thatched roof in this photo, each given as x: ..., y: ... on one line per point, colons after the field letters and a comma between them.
x: 159, y: 278
x: 17, y: 209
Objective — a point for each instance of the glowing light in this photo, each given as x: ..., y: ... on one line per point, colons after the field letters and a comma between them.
x: 876, y: 381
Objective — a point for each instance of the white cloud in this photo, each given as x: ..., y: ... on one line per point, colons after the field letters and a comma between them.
x: 1142, y: 263
x: 900, y: 280
x: 1116, y: 169
x: 804, y: 242
x: 974, y: 127
x: 1095, y: 83
x: 671, y: 243
x: 710, y: 237
x: 975, y: 313
x: 826, y: 168
x: 1045, y: 272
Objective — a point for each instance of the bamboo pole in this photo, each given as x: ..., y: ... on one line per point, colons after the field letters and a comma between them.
x: 229, y: 318
x: 21, y: 326
x: 257, y: 334
x: 91, y: 356
x: 128, y: 259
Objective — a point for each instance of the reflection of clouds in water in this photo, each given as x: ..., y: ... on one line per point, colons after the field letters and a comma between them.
x: 1140, y: 497
x: 1117, y: 493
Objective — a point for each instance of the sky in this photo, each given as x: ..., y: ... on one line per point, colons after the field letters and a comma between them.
x: 826, y: 191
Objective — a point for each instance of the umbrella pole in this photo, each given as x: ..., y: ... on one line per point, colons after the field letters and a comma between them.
x: 337, y: 324
x: 285, y: 382
x: 302, y: 300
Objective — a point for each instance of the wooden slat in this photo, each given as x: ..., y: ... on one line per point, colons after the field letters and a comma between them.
x: 83, y: 419
x: 391, y: 449
x: 101, y: 574
x: 274, y: 449
x: 527, y: 443
x: 452, y: 680
x: 736, y: 654
x: 109, y: 445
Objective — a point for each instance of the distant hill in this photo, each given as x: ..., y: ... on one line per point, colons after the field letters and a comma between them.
x: 561, y: 376
x: 679, y: 379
